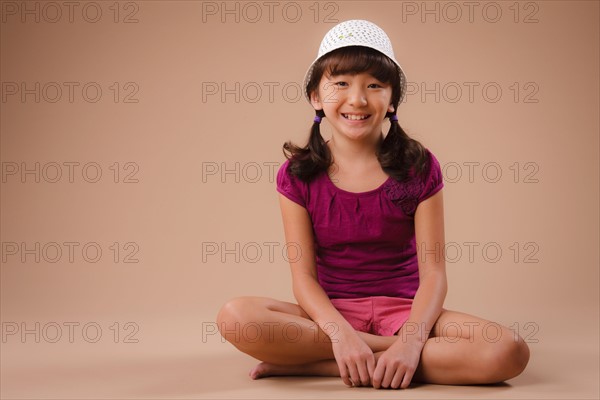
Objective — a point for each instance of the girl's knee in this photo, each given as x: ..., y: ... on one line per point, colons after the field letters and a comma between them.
x: 232, y: 316
x: 518, y: 354
x: 241, y: 321
x: 237, y: 309
x: 241, y: 311
x: 508, y: 357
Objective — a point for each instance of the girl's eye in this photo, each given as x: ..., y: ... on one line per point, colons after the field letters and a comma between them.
x: 374, y: 85
x: 341, y: 83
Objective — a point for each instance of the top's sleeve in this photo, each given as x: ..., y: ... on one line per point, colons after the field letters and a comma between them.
x: 433, y: 182
x: 290, y: 186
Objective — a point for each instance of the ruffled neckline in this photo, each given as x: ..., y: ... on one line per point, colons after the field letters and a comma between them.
x: 357, y: 194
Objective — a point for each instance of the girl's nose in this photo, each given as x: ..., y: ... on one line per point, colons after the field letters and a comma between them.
x: 357, y: 97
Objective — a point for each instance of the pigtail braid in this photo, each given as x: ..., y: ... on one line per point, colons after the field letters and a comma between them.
x: 306, y: 162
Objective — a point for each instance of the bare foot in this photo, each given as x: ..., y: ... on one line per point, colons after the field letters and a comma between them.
x: 319, y: 368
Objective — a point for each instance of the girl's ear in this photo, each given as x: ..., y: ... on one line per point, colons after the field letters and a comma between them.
x: 391, y: 108
x: 315, y: 101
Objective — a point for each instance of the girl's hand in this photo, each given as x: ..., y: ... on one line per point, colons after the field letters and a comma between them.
x: 397, y: 365
x: 354, y: 358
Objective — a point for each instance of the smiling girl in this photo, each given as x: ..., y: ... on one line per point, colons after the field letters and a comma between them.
x: 366, y: 211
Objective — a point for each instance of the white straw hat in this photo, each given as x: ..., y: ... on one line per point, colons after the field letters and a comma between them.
x: 356, y: 32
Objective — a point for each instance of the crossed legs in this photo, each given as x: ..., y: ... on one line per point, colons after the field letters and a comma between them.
x: 461, y: 349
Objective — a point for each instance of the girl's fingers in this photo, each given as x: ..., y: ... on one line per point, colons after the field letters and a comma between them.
x: 407, y: 379
x: 344, y: 374
x: 354, y: 375
x: 378, y: 375
x: 397, y: 378
x: 371, y: 368
x: 363, y: 372
x: 389, y: 375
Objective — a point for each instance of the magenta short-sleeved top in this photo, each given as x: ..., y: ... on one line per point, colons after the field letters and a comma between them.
x: 364, y: 242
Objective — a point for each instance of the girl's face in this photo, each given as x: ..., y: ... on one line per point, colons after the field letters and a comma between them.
x: 355, y: 105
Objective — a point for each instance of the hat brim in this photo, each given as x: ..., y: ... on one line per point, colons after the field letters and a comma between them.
x: 308, y: 74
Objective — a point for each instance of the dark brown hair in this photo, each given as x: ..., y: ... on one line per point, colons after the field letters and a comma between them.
x: 398, y: 153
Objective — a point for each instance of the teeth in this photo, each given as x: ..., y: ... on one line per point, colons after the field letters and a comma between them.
x: 355, y: 117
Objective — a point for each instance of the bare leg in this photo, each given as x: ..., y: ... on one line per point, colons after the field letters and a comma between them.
x: 317, y: 368
x: 280, y: 333
x: 461, y: 349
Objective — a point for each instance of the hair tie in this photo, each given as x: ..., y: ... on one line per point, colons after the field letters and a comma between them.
x: 317, y: 119
x: 394, y: 118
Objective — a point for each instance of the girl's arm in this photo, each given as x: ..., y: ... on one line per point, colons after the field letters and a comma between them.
x: 354, y: 357
x: 433, y: 284
x: 405, y: 353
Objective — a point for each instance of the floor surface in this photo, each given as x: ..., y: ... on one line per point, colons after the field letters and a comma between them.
x: 218, y: 371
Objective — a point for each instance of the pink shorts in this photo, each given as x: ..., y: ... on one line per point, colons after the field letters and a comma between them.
x: 379, y: 315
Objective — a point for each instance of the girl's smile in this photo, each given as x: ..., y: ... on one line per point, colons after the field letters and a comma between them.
x: 356, y: 117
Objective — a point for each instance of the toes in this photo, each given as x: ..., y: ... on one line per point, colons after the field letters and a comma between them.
x: 259, y: 371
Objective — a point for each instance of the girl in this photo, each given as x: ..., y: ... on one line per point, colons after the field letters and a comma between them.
x: 364, y: 216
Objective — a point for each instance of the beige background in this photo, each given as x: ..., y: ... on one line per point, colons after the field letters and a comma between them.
x: 170, y: 213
